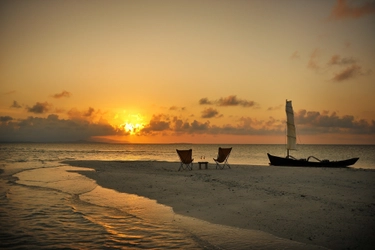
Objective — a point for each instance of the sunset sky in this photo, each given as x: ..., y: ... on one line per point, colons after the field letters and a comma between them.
x: 209, y: 71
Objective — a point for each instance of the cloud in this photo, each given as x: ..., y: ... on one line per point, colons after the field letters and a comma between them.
x: 343, y: 10
x: 9, y: 92
x: 198, y: 126
x: 313, y: 61
x: 178, y: 125
x: 231, y: 100
x: 275, y: 108
x: 157, y: 123
x: 338, y: 60
x: 209, y: 113
x: 166, y: 124
x: 15, y: 105
x: 295, y: 55
x: 163, y: 123
x: 39, y: 108
x: 349, y: 68
x: 62, y: 94
x: 204, y: 101
x: 5, y: 119
x: 316, y: 122
x: 348, y: 73
x: 175, y: 108
x: 308, y: 122
x: 89, y: 112
x: 52, y: 129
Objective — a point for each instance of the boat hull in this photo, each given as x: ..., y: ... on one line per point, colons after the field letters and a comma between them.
x: 280, y: 161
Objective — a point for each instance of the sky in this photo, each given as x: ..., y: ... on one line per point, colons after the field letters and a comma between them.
x: 187, y: 71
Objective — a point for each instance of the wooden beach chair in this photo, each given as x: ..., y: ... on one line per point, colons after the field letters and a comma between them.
x: 186, y: 159
x: 222, y: 157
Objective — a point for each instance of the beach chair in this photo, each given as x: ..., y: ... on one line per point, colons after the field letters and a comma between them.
x: 186, y: 159
x: 222, y: 157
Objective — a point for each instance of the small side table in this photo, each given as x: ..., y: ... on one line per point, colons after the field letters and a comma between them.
x: 205, y: 163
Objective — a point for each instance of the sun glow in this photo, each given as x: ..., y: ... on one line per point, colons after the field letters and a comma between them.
x: 131, y: 128
x: 132, y: 124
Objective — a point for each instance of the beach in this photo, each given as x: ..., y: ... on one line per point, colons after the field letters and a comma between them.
x: 331, y: 208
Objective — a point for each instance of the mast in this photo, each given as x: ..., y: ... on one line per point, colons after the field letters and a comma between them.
x: 291, y: 129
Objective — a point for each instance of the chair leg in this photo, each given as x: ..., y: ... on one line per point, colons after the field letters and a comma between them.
x: 186, y: 166
x: 222, y: 166
x: 217, y: 165
x: 182, y: 167
x: 226, y: 164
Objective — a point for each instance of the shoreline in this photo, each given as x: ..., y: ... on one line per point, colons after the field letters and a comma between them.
x: 332, y: 208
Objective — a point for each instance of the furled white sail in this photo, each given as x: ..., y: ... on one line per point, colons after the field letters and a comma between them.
x: 291, y: 129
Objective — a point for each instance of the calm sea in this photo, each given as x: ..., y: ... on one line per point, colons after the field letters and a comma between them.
x: 44, y: 206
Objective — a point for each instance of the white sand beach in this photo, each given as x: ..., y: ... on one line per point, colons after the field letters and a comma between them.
x: 332, y: 208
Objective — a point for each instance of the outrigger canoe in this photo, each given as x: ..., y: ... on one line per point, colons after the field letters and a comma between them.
x: 284, y: 161
x: 291, y: 145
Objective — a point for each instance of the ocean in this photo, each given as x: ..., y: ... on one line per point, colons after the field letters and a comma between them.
x: 44, y: 205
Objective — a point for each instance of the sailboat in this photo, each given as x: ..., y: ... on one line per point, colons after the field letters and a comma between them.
x: 311, y: 161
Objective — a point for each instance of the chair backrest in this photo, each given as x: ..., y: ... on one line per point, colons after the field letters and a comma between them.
x: 185, y: 155
x: 223, y: 154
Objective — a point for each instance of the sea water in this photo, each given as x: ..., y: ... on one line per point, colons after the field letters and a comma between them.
x: 244, y: 154
x: 44, y: 204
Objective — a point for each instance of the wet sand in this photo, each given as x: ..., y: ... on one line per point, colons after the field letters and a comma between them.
x: 332, y: 208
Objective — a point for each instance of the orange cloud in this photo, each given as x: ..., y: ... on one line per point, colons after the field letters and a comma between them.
x: 175, y: 108
x: 62, y: 94
x: 15, y: 105
x: 313, y: 61
x: 52, y: 129
x: 9, y: 92
x: 204, y: 101
x: 89, y: 112
x: 167, y: 125
x: 231, y: 100
x: 349, y: 68
x: 5, y: 119
x: 295, y: 55
x: 343, y: 10
x: 337, y: 60
x: 39, y: 108
x: 348, y: 73
x: 312, y: 122
x: 157, y: 123
x: 275, y: 108
x: 90, y: 115
x: 209, y: 113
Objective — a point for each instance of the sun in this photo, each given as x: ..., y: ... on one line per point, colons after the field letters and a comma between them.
x: 132, y: 128
x: 131, y: 123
